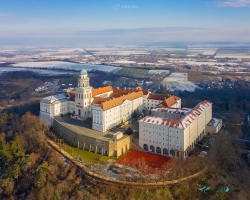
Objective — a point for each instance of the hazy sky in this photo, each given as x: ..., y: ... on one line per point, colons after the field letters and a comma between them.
x: 82, y: 22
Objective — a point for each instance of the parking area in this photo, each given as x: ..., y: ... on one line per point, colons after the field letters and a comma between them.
x: 132, y: 123
x: 205, y: 146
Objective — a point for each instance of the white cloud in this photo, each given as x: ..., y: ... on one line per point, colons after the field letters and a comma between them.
x: 234, y: 3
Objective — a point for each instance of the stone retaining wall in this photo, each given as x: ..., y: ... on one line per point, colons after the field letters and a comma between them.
x: 101, y: 178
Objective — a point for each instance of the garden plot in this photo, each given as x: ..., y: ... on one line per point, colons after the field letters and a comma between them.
x: 179, y: 81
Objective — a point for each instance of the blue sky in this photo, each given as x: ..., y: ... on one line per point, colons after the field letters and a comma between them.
x: 82, y: 22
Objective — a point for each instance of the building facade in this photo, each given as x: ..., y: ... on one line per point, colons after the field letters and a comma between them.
x: 174, y: 131
x: 53, y: 106
x: 108, y: 107
x: 90, y: 141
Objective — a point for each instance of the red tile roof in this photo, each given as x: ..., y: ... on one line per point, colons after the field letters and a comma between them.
x: 99, y: 100
x: 118, y: 101
x: 101, y: 90
x: 126, y: 91
x: 170, y: 101
x: 182, y: 123
x: 158, y: 96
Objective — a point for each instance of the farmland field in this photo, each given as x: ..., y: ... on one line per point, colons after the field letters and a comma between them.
x: 233, y: 53
x: 119, y: 81
x: 65, y: 65
x: 131, y: 72
x: 179, y: 81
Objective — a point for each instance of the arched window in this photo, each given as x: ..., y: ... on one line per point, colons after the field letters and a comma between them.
x: 152, y: 148
x: 165, y: 151
x: 172, y: 152
x: 158, y: 150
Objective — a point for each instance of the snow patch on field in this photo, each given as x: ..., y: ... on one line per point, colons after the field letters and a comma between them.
x: 179, y: 81
x: 209, y: 53
x: 177, y: 77
x: 121, y: 52
x: 150, y: 72
x: 211, y: 63
x: 40, y: 71
x: 124, y: 61
x: 232, y: 56
x: 71, y: 49
x: 146, y: 63
x: 181, y: 85
x: 65, y: 65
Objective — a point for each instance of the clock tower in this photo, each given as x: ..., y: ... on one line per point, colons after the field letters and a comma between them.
x: 83, y: 96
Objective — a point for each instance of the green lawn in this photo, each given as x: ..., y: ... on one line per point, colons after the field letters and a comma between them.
x: 132, y: 72
x: 87, y: 157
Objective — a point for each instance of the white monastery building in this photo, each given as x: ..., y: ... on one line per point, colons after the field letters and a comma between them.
x: 175, y: 131
x: 108, y: 107
x: 169, y: 130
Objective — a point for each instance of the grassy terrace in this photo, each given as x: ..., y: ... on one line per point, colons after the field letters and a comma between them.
x: 131, y: 72
x: 86, y: 156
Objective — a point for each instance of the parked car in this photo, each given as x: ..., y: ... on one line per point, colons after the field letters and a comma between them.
x: 203, y: 153
x: 205, y: 148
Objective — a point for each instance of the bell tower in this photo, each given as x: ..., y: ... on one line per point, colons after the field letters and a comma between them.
x: 83, y: 96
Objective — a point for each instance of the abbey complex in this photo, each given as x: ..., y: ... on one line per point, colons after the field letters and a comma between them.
x: 89, y: 118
